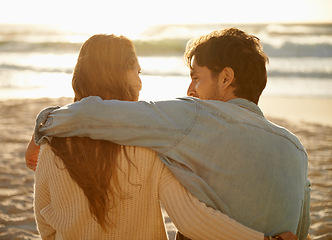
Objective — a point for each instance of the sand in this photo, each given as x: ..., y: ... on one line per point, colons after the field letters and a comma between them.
x: 309, y: 119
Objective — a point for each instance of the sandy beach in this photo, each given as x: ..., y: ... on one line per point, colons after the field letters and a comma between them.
x: 309, y: 119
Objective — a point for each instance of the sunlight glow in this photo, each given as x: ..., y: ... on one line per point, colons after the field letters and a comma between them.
x: 134, y: 16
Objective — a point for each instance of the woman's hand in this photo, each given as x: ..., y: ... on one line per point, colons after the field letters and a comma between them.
x: 31, y: 154
x: 283, y: 236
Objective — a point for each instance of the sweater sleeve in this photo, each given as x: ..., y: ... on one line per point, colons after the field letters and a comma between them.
x: 42, y: 196
x: 194, y: 219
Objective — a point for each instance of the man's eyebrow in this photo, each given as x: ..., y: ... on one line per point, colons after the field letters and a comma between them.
x: 192, y: 72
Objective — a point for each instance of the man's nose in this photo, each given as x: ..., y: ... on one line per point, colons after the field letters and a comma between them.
x: 191, y: 90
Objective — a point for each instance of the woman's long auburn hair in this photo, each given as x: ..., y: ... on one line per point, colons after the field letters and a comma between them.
x: 101, y: 70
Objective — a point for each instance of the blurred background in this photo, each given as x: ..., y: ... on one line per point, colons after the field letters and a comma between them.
x: 40, y: 40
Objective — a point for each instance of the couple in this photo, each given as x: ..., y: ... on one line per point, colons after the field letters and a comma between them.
x: 216, y: 143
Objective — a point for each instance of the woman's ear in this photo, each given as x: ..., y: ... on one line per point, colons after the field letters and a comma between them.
x: 226, y: 77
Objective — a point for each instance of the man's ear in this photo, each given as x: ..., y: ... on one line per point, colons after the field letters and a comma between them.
x: 226, y: 77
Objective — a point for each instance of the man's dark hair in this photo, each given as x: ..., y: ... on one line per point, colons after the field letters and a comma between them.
x: 235, y: 49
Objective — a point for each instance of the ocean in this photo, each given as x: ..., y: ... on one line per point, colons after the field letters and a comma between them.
x: 37, y: 61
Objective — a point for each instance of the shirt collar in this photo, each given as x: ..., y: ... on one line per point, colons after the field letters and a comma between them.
x: 244, y: 103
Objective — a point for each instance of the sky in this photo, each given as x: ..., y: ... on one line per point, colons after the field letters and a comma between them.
x: 135, y: 16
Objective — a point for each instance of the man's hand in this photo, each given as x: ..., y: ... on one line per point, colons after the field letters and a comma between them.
x: 31, y: 154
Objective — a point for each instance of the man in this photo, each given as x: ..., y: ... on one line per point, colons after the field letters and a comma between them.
x: 216, y: 142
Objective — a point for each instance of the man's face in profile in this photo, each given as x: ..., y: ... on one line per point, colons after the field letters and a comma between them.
x: 203, y: 85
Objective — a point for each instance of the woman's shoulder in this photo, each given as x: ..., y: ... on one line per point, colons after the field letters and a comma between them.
x: 138, y: 152
x: 142, y: 158
x: 47, y: 158
x: 45, y: 153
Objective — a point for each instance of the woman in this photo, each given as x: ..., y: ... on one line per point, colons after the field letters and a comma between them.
x: 92, y: 189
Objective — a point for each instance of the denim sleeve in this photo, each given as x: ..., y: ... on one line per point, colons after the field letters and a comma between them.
x: 156, y: 125
x: 304, y: 223
x: 42, y: 120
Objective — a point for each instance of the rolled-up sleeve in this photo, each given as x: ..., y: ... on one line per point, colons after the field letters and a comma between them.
x: 305, y: 220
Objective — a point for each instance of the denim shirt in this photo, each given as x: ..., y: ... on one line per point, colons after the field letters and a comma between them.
x: 227, y: 154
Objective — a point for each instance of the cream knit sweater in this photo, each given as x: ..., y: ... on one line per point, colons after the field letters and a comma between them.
x: 62, y: 212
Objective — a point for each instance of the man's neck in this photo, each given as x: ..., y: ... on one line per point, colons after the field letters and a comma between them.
x: 228, y: 97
